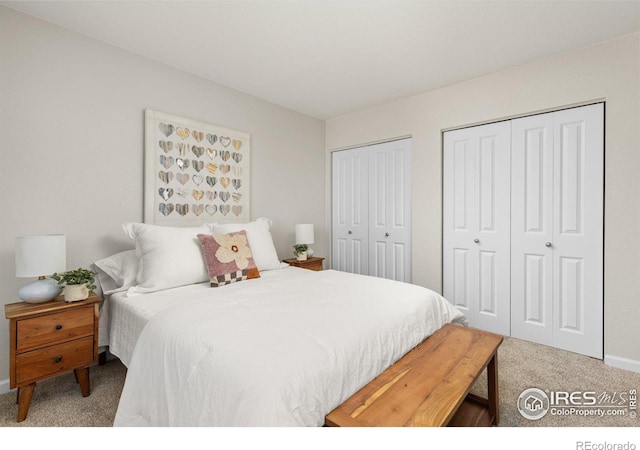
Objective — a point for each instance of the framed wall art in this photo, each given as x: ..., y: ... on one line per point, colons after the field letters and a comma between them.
x: 195, y: 172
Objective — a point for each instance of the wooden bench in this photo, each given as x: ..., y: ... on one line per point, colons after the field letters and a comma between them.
x: 429, y: 386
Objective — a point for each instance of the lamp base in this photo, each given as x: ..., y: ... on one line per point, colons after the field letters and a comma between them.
x: 39, y: 291
x: 309, y: 252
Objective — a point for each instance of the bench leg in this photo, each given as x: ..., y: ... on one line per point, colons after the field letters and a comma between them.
x: 492, y: 379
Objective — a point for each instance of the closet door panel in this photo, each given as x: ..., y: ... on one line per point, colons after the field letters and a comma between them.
x: 390, y: 206
x: 532, y: 228
x: 476, y: 224
x: 350, y: 209
x: 459, y: 222
x: 492, y: 190
x: 578, y: 230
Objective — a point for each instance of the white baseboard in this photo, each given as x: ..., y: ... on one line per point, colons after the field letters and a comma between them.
x: 622, y: 363
x: 4, y: 386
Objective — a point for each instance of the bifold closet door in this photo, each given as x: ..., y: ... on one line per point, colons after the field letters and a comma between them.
x: 476, y: 224
x: 557, y: 229
x: 371, y: 210
x: 350, y: 211
x: 390, y: 210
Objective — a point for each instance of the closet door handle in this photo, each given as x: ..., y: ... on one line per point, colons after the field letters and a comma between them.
x: 350, y: 232
x: 547, y: 244
x: 477, y: 241
x: 386, y: 235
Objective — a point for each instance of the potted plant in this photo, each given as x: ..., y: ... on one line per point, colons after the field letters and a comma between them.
x: 77, y: 283
x: 300, y: 250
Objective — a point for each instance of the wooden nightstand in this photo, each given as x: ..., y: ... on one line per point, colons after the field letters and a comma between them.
x: 312, y: 263
x: 49, y: 339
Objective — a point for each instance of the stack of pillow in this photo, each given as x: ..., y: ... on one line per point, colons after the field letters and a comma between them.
x: 167, y: 257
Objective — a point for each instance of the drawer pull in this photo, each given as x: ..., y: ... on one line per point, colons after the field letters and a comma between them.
x: 58, y: 359
x: 58, y: 327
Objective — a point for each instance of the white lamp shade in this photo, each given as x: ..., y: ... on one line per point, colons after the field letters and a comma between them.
x: 304, y: 233
x: 42, y: 255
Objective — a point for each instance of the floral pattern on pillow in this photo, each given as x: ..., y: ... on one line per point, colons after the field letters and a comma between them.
x: 228, y: 258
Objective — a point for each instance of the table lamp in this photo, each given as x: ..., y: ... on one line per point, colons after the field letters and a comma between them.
x: 304, y: 235
x: 39, y: 256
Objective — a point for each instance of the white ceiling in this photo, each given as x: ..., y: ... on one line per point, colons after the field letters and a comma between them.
x: 326, y: 58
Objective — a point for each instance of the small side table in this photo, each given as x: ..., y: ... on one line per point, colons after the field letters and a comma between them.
x: 49, y: 339
x: 312, y: 263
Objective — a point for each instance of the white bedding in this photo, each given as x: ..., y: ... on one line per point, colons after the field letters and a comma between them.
x: 281, y: 350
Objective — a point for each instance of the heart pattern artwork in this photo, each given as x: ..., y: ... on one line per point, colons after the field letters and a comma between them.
x: 182, y: 209
x: 183, y: 132
x: 197, y: 165
x: 165, y: 208
x: 166, y: 129
x: 166, y: 146
x: 198, y: 151
x: 200, y: 171
x: 197, y: 135
x: 197, y: 209
x: 166, y: 161
x: 183, y: 178
x: 165, y: 193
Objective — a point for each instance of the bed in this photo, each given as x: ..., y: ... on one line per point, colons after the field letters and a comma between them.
x: 283, y: 349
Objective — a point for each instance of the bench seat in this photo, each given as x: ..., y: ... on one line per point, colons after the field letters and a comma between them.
x: 429, y: 386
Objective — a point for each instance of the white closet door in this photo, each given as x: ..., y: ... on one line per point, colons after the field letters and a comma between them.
x: 532, y: 178
x: 578, y: 230
x: 390, y: 210
x: 557, y: 229
x: 350, y: 211
x: 476, y: 222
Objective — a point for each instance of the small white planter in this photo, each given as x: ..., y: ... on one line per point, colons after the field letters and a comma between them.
x: 301, y: 256
x: 75, y: 292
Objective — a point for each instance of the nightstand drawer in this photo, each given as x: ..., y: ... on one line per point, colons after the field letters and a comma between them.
x: 53, y: 328
x: 53, y: 360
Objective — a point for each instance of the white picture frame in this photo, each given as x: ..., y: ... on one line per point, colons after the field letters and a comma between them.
x: 194, y: 172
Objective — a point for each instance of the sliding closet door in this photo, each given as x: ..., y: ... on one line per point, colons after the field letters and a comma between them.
x: 390, y: 210
x: 557, y: 229
x: 350, y: 211
x: 476, y: 224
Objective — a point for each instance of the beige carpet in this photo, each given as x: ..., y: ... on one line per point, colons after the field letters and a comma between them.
x: 57, y: 402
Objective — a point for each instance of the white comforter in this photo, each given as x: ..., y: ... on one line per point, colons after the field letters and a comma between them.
x: 281, y: 350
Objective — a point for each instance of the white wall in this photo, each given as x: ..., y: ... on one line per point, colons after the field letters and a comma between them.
x: 71, y: 144
x: 609, y: 71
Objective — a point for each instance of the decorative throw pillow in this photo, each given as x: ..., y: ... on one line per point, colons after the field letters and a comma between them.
x: 228, y: 258
x: 259, y: 235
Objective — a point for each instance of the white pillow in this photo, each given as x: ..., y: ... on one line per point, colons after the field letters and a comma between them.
x: 117, y: 272
x: 168, y: 257
x: 260, y: 241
